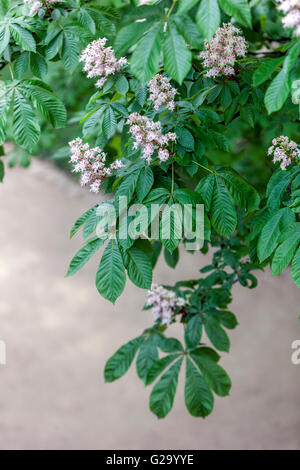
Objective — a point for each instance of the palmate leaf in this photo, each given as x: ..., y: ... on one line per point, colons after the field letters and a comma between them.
x: 208, y: 17
x: 51, y: 108
x: 185, y: 5
x: 199, y: 399
x: 163, y: 392
x: 145, y: 59
x: 26, y: 128
x: 120, y: 362
x: 111, y: 277
x: 177, y: 56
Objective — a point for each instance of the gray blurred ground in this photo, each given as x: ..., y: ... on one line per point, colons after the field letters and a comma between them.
x: 59, y: 333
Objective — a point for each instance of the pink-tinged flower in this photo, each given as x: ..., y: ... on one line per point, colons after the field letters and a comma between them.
x: 90, y: 162
x: 161, y: 92
x: 148, y: 136
x: 222, y: 51
x: 39, y: 5
x: 291, y: 10
x: 100, y: 61
x: 284, y: 151
x: 164, y: 303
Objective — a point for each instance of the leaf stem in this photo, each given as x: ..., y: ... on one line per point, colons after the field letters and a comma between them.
x: 11, y: 71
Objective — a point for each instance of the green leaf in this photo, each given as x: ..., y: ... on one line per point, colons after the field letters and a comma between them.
x: 38, y: 65
x: 284, y: 254
x: 122, y: 85
x: 177, y: 56
x: 54, y: 46
x: 244, y: 195
x: 269, y: 237
x: 21, y: 65
x: 278, y: 91
x: 171, y: 227
x: 223, y: 214
x: 25, y: 125
x: 296, y: 268
x: 193, y: 331
x: 158, y: 366
x: 163, y: 392
x: 205, y: 188
x: 139, y: 268
x: 81, y: 220
x: 198, y: 398
x: 146, y: 56
x: 216, y: 334
x: 120, y: 362
x: 130, y: 35
x: 171, y: 258
x: 264, y: 71
x: 208, y: 17
x: 128, y: 185
x: 111, y: 277
x: 239, y: 9
x: 84, y: 254
x: 70, y: 53
x: 147, y: 356
x: 23, y: 38
x: 109, y: 122
x: 145, y: 183
x: 4, y: 37
x: 215, y: 375
x: 85, y: 20
x: 51, y: 108
x: 185, y: 5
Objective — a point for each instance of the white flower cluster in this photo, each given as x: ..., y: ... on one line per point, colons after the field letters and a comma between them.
x: 161, y: 92
x: 91, y: 163
x: 100, y: 61
x: 284, y: 151
x: 291, y: 9
x: 39, y: 5
x: 163, y: 302
x: 222, y: 51
x: 148, y: 135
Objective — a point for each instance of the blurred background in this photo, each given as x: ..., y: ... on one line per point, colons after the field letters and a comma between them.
x: 59, y: 333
